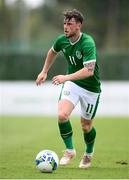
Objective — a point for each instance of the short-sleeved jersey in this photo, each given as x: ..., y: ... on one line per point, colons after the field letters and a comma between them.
x: 77, y: 54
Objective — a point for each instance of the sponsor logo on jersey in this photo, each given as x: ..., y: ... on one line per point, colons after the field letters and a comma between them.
x: 78, y: 54
x: 66, y: 93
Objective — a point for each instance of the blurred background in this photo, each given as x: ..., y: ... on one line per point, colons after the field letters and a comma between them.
x: 28, y: 29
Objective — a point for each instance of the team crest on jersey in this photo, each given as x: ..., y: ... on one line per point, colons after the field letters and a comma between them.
x: 78, y: 54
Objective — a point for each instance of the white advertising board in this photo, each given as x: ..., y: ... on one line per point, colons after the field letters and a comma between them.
x: 25, y: 98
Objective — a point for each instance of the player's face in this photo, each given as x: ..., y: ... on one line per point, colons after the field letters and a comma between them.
x: 71, y: 27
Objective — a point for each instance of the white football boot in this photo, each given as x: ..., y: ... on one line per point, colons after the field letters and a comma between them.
x: 68, y: 155
x: 86, y: 161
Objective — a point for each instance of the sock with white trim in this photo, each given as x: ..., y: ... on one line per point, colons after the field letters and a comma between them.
x: 89, y: 140
x: 66, y: 133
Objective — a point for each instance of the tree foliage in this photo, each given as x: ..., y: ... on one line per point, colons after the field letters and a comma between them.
x: 26, y: 34
x: 22, y: 27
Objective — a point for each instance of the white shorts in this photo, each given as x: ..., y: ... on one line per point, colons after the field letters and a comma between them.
x: 88, y: 100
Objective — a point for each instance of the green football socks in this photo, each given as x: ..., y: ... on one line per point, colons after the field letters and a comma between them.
x: 89, y: 140
x: 66, y: 133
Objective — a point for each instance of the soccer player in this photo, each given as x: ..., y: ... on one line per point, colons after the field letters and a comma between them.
x: 80, y: 84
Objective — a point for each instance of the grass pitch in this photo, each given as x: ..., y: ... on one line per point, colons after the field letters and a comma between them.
x: 21, y: 138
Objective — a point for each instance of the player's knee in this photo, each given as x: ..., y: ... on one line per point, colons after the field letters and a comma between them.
x: 86, y: 125
x: 62, y: 116
x: 86, y: 128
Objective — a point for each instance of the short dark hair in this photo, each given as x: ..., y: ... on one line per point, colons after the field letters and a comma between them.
x: 78, y: 16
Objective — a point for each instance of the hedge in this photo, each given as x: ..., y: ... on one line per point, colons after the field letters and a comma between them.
x: 26, y: 66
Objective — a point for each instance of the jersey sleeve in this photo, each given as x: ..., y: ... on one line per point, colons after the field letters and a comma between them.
x: 89, y: 52
x: 57, y: 44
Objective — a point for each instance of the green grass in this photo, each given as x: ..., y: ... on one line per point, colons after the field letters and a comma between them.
x: 21, y: 138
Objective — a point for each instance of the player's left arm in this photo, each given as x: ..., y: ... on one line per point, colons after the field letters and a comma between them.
x: 86, y: 71
x: 89, y: 60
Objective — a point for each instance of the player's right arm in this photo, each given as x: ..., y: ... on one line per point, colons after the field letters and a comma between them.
x: 48, y: 63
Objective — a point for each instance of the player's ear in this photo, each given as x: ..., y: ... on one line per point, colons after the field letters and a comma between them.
x: 79, y: 25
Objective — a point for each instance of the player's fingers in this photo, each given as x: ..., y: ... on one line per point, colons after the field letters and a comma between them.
x: 54, y: 78
x: 56, y: 82
x: 39, y: 81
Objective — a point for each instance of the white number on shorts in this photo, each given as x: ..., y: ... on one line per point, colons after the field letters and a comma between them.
x: 89, y: 108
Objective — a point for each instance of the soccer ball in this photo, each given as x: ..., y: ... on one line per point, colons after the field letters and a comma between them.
x: 47, y: 161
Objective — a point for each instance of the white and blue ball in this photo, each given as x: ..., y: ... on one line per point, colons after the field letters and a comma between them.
x: 47, y: 161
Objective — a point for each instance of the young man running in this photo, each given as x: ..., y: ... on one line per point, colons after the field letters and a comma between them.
x: 80, y: 84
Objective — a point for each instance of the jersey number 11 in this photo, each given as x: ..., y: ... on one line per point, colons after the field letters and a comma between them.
x: 72, y: 60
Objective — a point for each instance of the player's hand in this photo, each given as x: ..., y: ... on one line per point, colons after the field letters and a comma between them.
x: 41, y: 78
x: 59, y: 79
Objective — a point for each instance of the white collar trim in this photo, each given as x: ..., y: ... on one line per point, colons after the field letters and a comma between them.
x: 72, y: 43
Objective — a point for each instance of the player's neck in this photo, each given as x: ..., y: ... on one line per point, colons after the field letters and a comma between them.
x: 75, y: 38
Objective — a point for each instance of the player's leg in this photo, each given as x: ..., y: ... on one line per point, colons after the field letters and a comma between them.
x: 89, y: 104
x: 67, y: 102
x: 89, y: 134
x: 65, y: 108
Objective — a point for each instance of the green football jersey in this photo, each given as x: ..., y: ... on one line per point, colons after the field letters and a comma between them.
x: 77, y: 54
